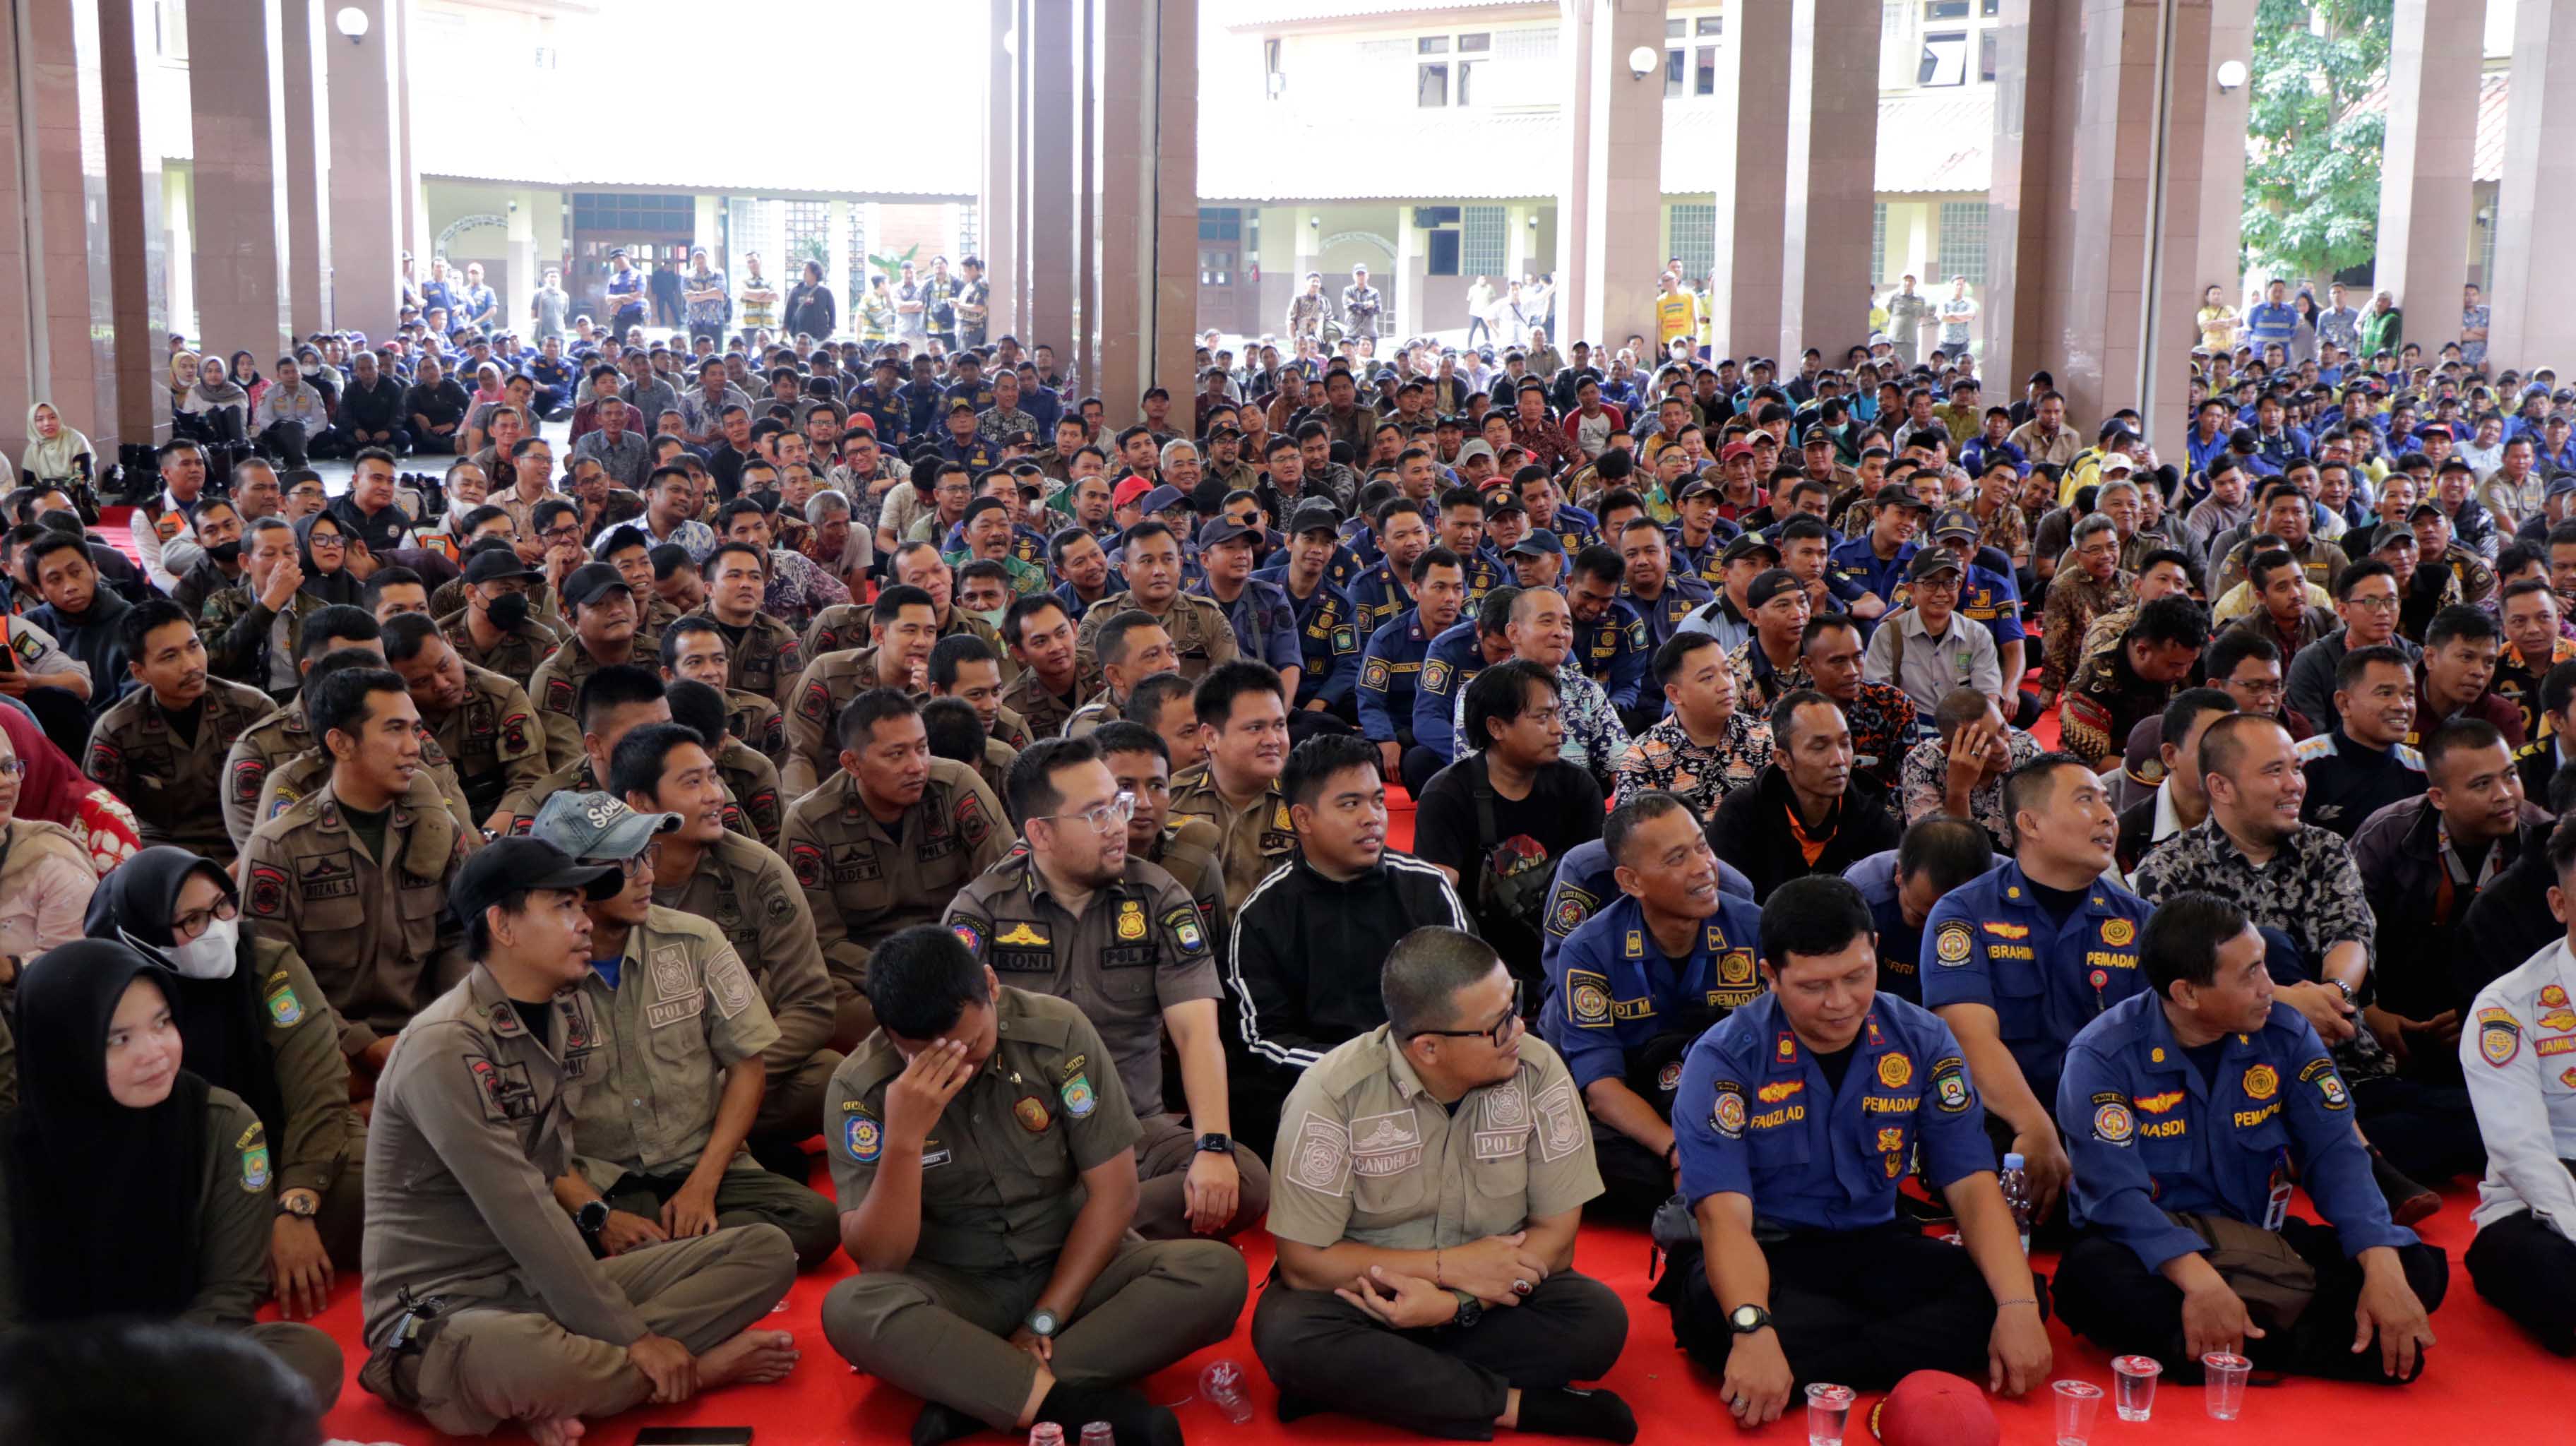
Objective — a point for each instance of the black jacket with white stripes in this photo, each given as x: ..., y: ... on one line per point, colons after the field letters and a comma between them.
x: 1307, y: 951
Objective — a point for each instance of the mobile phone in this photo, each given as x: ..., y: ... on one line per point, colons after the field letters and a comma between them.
x: 694, y: 1436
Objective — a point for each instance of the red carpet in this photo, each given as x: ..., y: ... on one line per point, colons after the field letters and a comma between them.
x: 2482, y: 1371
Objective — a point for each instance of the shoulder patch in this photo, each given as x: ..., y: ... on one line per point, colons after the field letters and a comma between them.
x: 1435, y: 677
x: 1183, y: 922
x: 2408, y: 755
x: 1587, y: 999
x: 253, y: 1147
x: 862, y: 1136
x: 1953, y: 943
x: 1569, y: 909
x: 1320, y: 1160
x: 2314, y: 747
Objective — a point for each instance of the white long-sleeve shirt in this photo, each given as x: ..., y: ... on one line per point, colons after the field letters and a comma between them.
x: 2518, y: 1050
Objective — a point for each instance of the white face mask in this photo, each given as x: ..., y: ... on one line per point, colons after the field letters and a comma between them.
x: 211, y: 954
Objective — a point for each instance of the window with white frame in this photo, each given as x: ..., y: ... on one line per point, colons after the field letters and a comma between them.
x: 1877, y: 242
x: 1961, y: 250
x: 1695, y: 239
x: 1958, y: 42
x: 1690, y: 56
x: 1447, y: 67
x: 1484, y: 240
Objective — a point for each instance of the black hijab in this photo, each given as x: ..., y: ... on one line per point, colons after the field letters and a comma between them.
x: 103, y: 1199
x: 221, y: 1024
x: 326, y: 587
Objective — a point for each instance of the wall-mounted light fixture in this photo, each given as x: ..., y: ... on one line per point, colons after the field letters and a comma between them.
x: 2231, y: 75
x: 350, y: 21
x: 1642, y: 62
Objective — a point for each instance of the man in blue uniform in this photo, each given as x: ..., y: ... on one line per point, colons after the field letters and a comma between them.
x: 2018, y: 961
x: 1391, y: 666
x: 1640, y: 980
x: 1661, y: 596
x: 1263, y: 617
x: 1797, y: 1116
x: 1876, y: 560
x: 1936, y: 854
x: 1610, y: 641
x: 2190, y: 1108
x: 1452, y: 661
x: 1328, y: 633
x: 1379, y: 593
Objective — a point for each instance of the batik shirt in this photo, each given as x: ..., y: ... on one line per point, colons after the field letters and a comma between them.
x: 1665, y: 758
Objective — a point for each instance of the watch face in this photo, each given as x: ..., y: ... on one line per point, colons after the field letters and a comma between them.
x: 1746, y: 1317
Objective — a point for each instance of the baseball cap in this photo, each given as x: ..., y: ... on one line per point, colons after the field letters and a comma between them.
x: 507, y: 866
x: 1954, y: 522
x: 596, y: 826
x: 1750, y: 544
x: 1315, y: 517
x: 1897, y: 494
x: 2560, y: 485
x: 592, y: 581
x: 1221, y: 529
x: 2426, y: 509
x: 1164, y: 498
x: 2243, y: 439
x: 960, y: 404
x: 1477, y: 448
x: 1733, y: 450
x: 499, y: 564
x: 1699, y: 486
x: 1929, y: 561
x: 1539, y: 543
x: 1130, y: 490
x: 1934, y: 1408
x: 2118, y: 463
x: 1772, y: 583
x: 1501, y: 500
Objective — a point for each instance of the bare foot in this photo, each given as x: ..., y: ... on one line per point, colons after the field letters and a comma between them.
x: 754, y: 1357
x: 554, y: 1430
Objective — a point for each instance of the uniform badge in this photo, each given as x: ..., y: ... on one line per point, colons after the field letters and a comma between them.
x: 1788, y: 1047
x: 1891, y: 1138
x: 246, y: 776
x: 2499, y: 1036
x: 1778, y: 1090
x: 973, y: 824
x: 514, y: 733
x: 1669, y: 1078
x: 1735, y: 967
x: 1031, y: 1113
x: 1435, y: 677
x: 267, y: 891
x: 2007, y: 931
x: 1131, y: 921
x: 559, y: 695
x: 1375, y: 675
x: 2553, y: 997
x: 1953, y: 943
x: 1587, y: 998
x: 864, y: 1138
x: 1728, y: 1116
x: 284, y: 1010
x: 2112, y: 1124
x: 2118, y: 933
x: 1024, y: 935
x: 254, y: 1160
x: 1320, y: 1160
x: 966, y: 935
x: 2261, y: 1083
x: 807, y: 862
x: 2561, y: 1020
x: 1894, y: 1070
x: 1951, y: 1090
x: 1567, y: 911
x: 1079, y: 1101
x: 2161, y: 1102
x: 1184, y: 924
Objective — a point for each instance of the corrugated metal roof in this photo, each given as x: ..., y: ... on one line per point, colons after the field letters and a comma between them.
x: 1247, y: 14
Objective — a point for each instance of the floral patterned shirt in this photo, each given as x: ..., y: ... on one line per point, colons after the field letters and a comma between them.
x: 1666, y: 758
x: 1925, y: 783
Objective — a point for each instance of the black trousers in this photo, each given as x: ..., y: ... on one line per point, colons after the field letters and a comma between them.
x: 433, y: 444
x: 1419, y: 763
x: 2428, y: 1131
x: 1860, y: 1308
x: 1449, y: 1382
x: 2110, y: 1297
x: 285, y: 441
x: 2528, y: 1271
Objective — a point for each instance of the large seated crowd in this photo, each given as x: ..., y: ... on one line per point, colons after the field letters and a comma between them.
x: 493, y: 881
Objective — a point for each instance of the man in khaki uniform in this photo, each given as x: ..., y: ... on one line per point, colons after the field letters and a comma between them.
x: 915, y: 564
x: 1185, y: 848
x: 1199, y: 631
x: 1436, y: 1168
x: 900, y: 635
x: 603, y: 636
x: 471, y: 1252
x: 1075, y: 916
x: 678, y: 1082
x: 761, y: 653
x: 694, y: 649
x: 478, y: 718
x: 354, y: 877
x: 1131, y: 647
x: 1244, y: 715
x: 493, y: 631
x: 1049, y: 684
x: 280, y: 734
x: 889, y: 839
x: 293, y: 777
x: 614, y: 702
x: 161, y: 747
x: 750, y: 779
x: 985, y: 1164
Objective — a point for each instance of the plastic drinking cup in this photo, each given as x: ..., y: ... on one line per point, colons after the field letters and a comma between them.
x: 1828, y: 1411
x: 2134, y: 1382
x: 2077, y: 1404
x: 2223, y: 1380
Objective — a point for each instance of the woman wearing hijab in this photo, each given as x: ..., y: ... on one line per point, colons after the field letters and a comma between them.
x: 129, y: 1185
x: 245, y: 370
x: 254, y: 1023
x: 221, y: 408
x: 49, y: 788
x: 57, y: 454
x: 322, y: 547
x: 46, y: 879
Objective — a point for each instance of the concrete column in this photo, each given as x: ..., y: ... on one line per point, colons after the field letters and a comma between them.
x: 1051, y: 53
x: 1574, y: 189
x: 1620, y: 133
x: 1090, y: 91
x: 2183, y: 200
x: 1750, y: 190
x: 303, y: 26
x: 2222, y: 159
x: 2018, y: 208
x: 1145, y: 212
x: 403, y: 15
x: 998, y: 200
x: 2434, y: 55
x: 366, y: 206
x: 2534, y: 291
x: 1830, y: 177
x: 236, y: 55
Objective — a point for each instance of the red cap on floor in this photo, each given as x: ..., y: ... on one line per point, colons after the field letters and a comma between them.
x: 1934, y: 1408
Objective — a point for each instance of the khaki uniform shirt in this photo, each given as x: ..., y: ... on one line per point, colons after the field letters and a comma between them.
x: 279, y: 761
x: 756, y: 721
x: 1367, y: 1155
x: 1042, y: 712
x: 752, y: 780
x: 1001, y: 1171
x: 1251, y: 841
x: 435, y: 786
x: 766, y: 661
x: 1187, y: 850
x: 495, y: 740
x: 545, y: 609
x: 576, y: 775
x: 746, y: 892
x: 845, y: 625
x: 1138, y: 948
x: 1200, y: 633
x: 472, y: 1125
x: 863, y: 882
x: 303, y: 1042
x: 555, y: 688
x: 814, y: 724
x: 174, y: 785
x: 516, y: 655
x: 377, y: 933
x: 684, y: 1011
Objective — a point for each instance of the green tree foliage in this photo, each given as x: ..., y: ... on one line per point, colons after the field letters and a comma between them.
x: 2312, y: 157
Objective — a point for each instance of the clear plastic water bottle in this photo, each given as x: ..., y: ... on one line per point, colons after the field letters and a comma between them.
x: 2016, y: 1183
x: 1221, y: 1386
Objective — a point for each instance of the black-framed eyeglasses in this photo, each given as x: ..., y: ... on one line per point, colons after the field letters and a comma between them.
x: 1497, y: 1034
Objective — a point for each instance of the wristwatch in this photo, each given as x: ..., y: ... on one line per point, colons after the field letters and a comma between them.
x: 299, y: 1203
x: 1215, y: 1144
x: 1744, y: 1320
x: 1042, y: 1323
x: 591, y: 1218
x: 1470, y: 1310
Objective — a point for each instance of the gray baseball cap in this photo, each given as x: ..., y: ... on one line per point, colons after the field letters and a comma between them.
x: 593, y: 827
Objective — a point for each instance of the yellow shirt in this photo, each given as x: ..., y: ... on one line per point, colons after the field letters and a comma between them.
x: 1672, y: 316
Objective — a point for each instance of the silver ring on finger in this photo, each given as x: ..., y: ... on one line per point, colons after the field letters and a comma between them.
x: 1522, y: 1287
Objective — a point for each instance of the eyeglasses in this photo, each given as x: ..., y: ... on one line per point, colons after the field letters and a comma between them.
x: 1103, y: 817
x: 12, y: 767
x: 2371, y: 604
x: 325, y: 541
x: 1497, y: 1034
x: 193, y: 923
